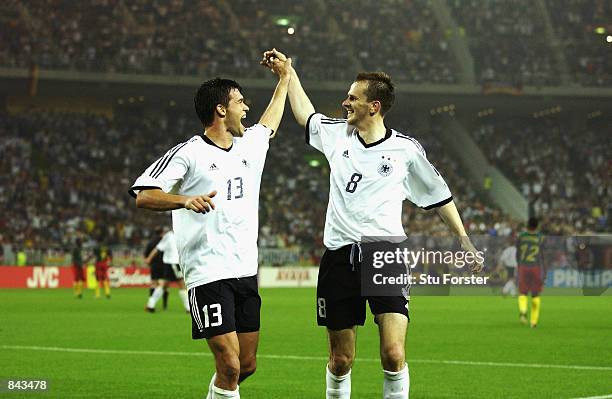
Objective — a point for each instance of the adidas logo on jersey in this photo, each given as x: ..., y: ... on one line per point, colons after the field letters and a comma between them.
x: 213, y: 167
x: 345, y: 154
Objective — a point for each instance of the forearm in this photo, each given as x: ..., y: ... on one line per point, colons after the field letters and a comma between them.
x: 152, y: 255
x: 157, y: 200
x: 450, y: 216
x: 300, y: 103
x: 274, y: 112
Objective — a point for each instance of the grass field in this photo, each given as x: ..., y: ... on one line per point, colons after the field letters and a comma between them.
x: 458, y: 347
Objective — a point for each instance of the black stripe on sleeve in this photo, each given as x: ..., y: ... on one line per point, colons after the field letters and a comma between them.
x: 439, y: 204
x: 167, y: 162
x: 159, y: 161
x: 162, y: 159
x: 307, y: 129
x: 158, y: 164
x: 132, y: 190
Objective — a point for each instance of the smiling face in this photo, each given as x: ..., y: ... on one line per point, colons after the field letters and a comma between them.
x: 235, y: 112
x: 356, y: 103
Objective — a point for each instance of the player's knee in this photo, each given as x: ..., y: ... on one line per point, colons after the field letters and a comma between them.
x: 340, y: 363
x: 392, y: 357
x: 247, y: 368
x: 229, y: 368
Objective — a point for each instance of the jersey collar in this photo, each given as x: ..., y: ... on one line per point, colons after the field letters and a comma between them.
x: 387, y: 135
x: 207, y: 140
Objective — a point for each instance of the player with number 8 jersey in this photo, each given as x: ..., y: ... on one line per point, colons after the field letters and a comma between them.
x: 211, y: 184
x: 373, y: 169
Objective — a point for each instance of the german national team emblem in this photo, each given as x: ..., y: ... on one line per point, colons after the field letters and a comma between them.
x: 385, y: 168
x: 245, y: 163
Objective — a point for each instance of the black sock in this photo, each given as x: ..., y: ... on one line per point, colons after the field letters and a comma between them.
x: 165, y: 299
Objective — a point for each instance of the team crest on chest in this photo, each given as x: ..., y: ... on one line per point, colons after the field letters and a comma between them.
x: 385, y: 168
x: 245, y: 163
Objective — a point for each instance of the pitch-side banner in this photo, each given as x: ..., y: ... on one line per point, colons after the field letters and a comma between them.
x: 63, y: 277
x: 288, y: 276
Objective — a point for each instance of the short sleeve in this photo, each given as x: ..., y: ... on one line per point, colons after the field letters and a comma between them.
x: 164, y: 173
x: 322, y: 132
x: 424, y: 186
x: 162, y: 245
x: 257, y: 136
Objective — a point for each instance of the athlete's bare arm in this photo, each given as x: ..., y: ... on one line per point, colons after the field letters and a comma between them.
x: 300, y: 103
x: 157, y: 200
x: 450, y: 216
x: 152, y: 255
x: 273, y: 114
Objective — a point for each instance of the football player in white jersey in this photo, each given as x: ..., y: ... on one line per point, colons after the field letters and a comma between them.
x: 372, y: 170
x: 171, y: 271
x: 211, y: 184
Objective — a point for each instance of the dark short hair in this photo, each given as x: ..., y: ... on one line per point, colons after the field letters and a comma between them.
x: 209, y: 95
x: 380, y: 88
x: 532, y: 223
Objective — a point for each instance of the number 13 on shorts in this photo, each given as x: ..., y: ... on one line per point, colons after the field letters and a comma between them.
x: 215, y: 315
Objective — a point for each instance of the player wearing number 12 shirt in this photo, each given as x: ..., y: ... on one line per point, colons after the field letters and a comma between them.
x: 373, y: 169
x: 211, y: 183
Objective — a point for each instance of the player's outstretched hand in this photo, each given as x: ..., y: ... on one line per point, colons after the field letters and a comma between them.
x: 201, y: 203
x: 472, y: 253
x: 277, y: 62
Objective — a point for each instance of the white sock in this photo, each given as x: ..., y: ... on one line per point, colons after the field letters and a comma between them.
x: 397, y: 384
x: 212, y: 382
x: 337, y: 387
x: 183, y: 295
x: 219, y: 393
x: 157, y: 293
x: 509, y: 288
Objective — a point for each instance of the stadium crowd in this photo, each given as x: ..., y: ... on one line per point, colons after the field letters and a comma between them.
x: 507, y: 41
x: 64, y: 174
x: 181, y: 37
x: 567, y: 181
x: 576, y: 23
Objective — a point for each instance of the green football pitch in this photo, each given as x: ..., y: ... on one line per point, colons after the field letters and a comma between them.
x: 457, y: 347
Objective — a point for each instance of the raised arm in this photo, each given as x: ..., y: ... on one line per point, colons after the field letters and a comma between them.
x: 300, y: 103
x: 274, y: 112
x: 450, y: 216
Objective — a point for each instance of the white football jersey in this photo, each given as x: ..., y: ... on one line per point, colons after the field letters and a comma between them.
x: 508, y: 257
x: 167, y: 245
x: 222, y: 243
x: 369, y: 182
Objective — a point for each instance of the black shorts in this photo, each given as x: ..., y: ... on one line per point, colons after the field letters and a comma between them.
x: 510, y: 271
x: 157, y: 271
x: 172, y: 272
x: 224, y: 306
x: 340, y: 304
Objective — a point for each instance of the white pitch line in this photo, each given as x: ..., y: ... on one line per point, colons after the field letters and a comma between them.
x: 597, y: 397
x: 317, y: 358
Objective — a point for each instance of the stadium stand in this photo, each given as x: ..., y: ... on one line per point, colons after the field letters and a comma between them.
x: 567, y: 181
x: 507, y: 41
x: 506, y: 38
x: 72, y: 171
x: 576, y: 23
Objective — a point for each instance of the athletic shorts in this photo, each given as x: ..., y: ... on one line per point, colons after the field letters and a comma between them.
x: 224, y: 306
x: 157, y: 271
x: 102, y: 271
x: 340, y: 304
x: 530, y: 280
x: 171, y: 273
x: 79, y: 272
x: 510, y: 271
